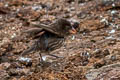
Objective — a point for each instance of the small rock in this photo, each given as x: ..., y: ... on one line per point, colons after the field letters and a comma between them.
x: 25, y: 61
x: 109, y: 72
x: 4, y: 65
x: 18, y: 71
x: 3, y: 75
x: 112, y: 31
x: 99, y: 64
x: 100, y: 54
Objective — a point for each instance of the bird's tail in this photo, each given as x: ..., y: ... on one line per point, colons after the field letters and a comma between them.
x: 32, y: 48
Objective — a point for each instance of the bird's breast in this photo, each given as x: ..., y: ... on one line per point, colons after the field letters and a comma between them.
x: 50, y: 42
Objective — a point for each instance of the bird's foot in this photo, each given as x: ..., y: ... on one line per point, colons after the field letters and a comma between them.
x: 44, y: 63
x: 41, y: 63
x: 55, y: 56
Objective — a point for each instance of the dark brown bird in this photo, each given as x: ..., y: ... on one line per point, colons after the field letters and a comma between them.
x: 50, y: 37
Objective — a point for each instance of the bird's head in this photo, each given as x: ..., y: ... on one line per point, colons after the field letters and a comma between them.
x: 65, y: 28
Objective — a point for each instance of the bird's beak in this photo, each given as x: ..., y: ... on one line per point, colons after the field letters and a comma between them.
x: 73, y: 31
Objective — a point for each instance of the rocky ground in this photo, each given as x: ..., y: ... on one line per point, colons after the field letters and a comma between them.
x: 91, y: 54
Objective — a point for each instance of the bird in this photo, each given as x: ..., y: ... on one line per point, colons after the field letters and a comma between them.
x: 49, y: 37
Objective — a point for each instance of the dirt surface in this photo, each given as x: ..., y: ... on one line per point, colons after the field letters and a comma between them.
x: 91, y: 54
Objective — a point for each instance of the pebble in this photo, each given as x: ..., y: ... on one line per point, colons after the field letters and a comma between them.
x: 25, y: 59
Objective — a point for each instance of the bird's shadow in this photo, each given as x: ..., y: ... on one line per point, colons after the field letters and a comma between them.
x: 44, y: 64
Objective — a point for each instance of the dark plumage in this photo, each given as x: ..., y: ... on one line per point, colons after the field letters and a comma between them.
x: 50, y: 37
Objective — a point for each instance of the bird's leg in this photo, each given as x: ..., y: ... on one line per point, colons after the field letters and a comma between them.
x: 54, y: 56
x: 40, y: 58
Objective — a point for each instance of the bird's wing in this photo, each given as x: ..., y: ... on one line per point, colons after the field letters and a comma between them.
x: 48, y: 28
x: 33, y: 30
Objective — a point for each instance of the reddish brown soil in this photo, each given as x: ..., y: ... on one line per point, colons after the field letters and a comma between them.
x: 94, y: 46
